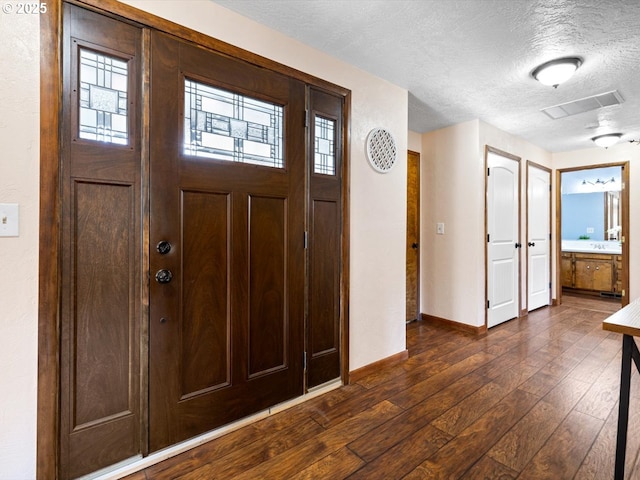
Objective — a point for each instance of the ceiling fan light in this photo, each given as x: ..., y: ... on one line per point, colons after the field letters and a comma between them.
x: 557, y: 71
x: 605, y: 141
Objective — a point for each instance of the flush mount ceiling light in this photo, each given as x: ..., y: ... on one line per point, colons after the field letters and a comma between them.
x: 556, y: 71
x: 605, y: 141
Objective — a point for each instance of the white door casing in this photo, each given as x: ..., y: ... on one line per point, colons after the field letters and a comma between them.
x: 539, y: 237
x: 503, y: 244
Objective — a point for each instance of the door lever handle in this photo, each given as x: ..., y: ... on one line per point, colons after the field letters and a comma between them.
x: 518, y: 245
x: 532, y: 244
x: 414, y: 245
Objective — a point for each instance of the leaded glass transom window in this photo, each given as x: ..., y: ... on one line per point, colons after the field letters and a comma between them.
x: 324, y: 146
x: 223, y: 125
x: 103, y: 98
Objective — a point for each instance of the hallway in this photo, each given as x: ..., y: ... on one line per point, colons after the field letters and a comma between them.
x: 534, y: 398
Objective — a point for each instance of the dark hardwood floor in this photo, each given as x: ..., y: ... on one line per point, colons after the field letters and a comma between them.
x: 535, y: 398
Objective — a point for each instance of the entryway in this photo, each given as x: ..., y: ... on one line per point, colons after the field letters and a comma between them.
x: 202, y: 244
x: 593, y: 239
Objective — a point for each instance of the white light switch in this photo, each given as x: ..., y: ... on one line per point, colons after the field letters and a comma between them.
x: 9, y: 220
x: 440, y: 228
x: 590, y: 229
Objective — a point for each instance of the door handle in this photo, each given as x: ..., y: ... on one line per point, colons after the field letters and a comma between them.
x: 532, y: 244
x: 164, y: 276
x: 414, y: 245
x: 163, y: 247
x: 518, y: 245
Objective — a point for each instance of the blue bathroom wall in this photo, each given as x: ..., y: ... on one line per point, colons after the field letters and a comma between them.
x: 581, y: 211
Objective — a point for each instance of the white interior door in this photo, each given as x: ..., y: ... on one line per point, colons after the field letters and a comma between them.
x: 503, y: 238
x: 539, y: 237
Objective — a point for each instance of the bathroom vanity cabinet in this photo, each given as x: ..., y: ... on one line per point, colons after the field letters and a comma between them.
x: 593, y: 272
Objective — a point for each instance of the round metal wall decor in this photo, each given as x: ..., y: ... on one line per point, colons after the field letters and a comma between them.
x: 381, y: 150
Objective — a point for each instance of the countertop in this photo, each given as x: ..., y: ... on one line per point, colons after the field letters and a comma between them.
x: 611, y: 247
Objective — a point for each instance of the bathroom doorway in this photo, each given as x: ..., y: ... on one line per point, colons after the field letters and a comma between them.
x: 592, y: 231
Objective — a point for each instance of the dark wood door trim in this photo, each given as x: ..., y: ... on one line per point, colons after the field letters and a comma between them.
x: 48, y: 271
x: 413, y: 236
x: 47, y: 455
x: 346, y: 237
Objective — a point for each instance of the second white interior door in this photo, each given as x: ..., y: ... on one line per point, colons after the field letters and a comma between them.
x: 538, y: 237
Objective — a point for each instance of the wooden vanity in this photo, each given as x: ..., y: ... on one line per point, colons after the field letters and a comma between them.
x: 592, y: 272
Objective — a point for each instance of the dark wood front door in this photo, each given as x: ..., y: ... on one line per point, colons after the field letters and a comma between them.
x: 227, y: 215
x: 201, y: 245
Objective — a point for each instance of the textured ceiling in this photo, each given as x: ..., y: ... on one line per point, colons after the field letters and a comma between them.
x: 467, y: 59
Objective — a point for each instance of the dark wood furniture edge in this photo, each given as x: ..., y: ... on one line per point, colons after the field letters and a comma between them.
x: 627, y: 322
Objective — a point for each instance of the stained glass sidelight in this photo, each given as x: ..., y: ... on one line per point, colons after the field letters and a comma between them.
x: 223, y: 125
x: 103, y: 98
x: 325, y: 146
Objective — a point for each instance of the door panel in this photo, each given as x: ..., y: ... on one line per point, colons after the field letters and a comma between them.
x: 326, y: 264
x: 502, y: 228
x: 100, y: 388
x: 206, y: 348
x: 539, y: 232
x: 226, y: 333
x: 100, y: 297
x: 267, y: 285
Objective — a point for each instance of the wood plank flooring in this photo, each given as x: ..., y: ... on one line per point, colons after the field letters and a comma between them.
x: 534, y: 398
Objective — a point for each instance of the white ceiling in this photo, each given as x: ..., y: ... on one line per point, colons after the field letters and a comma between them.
x: 467, y: 59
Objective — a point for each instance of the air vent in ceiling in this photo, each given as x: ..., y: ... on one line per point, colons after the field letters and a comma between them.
x: 584, y: 105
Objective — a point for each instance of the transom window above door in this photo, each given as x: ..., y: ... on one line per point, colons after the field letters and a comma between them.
x: 224, y: 125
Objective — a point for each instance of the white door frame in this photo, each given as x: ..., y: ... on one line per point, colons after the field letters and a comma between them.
x: 515, y: 308
x: 533, y: 246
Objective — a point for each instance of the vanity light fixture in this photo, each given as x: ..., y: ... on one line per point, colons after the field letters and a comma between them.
x: 556, y: 71
x: 607, y: 140
x: 599, y: 182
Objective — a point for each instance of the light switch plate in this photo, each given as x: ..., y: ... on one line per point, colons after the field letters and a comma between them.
x: 9, y: 220
x: 440, y: 228
x: 590, y: 229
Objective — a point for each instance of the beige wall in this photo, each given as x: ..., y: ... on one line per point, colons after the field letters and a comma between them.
x: 623, y: 152
x: 378, y: 220
x: 453, y: 192
x: 451, y: 265
x: 414, y: 141
x: 19, y: 164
